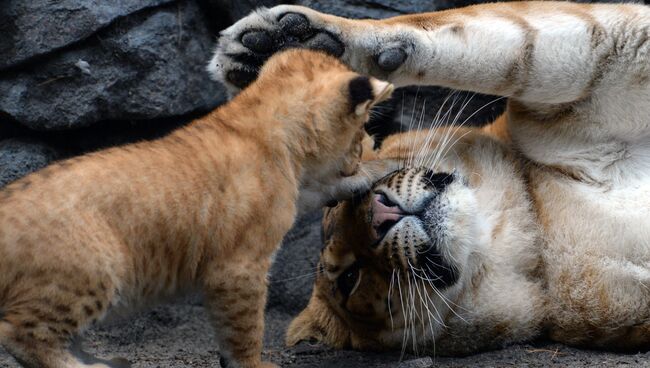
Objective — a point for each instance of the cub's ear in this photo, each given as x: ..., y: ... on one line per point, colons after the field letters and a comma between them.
x: 364, y: 92
x: 318, y: 324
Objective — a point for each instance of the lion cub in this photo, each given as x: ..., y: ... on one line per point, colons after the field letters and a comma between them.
x: 204, y: 207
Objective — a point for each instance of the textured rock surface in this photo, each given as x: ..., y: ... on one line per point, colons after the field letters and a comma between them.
x: 235, y: 9
x: 146, y: 66
x: 293, y: 273
x: 381, y: 8
x: 19, y: 157
x: 42, y: 26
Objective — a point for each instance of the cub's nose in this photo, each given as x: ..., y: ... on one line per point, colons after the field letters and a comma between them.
x: 385, y: 214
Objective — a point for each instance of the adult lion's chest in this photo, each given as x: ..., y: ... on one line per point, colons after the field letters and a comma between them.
x: 596, y: 254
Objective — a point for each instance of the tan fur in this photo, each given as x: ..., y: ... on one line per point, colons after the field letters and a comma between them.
x: 546, y: 217
x: 203, y: 208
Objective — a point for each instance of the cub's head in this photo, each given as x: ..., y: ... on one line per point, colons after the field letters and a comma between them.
x: 394, y: 262
x: 323, y: 106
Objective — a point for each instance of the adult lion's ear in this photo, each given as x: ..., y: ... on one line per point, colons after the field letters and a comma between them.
x: 364, y: 92
x: 318, y: 324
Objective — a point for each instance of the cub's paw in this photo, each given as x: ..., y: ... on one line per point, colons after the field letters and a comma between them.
x: 245, y: 46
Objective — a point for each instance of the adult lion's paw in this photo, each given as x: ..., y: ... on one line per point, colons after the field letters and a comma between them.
x: 245, y: 46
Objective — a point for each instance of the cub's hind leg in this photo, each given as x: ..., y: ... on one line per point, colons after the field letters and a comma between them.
x: 43, y: 350
x: 235, y: 297
x: 44, y: 314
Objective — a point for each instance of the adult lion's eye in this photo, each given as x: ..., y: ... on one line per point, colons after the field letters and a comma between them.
x: 348, y: 280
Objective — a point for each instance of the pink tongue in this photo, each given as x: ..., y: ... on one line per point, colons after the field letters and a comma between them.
x: 382, y: 213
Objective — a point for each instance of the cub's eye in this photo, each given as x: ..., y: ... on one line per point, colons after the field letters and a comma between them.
x: 348, y: 280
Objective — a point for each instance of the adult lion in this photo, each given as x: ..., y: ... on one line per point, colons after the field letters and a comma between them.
x: 535, y: 224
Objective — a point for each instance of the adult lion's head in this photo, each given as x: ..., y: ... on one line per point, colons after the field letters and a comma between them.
x: 404, y: 263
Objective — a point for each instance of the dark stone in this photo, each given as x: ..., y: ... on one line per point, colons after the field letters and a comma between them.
x: 19, y: 157
x: 377, y: 8
x: 233, y: 10
x: 294, y: 269
x: 42, y: 26
x: 146, y: 66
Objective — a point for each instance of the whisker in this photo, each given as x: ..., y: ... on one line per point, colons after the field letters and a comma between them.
x: 435, y: 124
x: 390, y: 294
x: 413, y: 315
x: 404, y: 318
x: 444, y: 300
x: 311, y: 274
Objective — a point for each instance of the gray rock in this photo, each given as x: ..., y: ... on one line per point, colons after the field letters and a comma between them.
x: 233, y: 10
x: 146, y: 66
x: 383, y: 8
x: 19, y: 157
x: 41, y: 26
x: 376, y: 9
x: 293, y: 272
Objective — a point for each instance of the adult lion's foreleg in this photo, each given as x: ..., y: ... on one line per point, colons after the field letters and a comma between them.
x: 532, y: 51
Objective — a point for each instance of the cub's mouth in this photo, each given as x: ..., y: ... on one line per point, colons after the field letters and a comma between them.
x: 409, y: 218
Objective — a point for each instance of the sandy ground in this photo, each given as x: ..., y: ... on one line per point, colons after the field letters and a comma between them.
x: 179, y: 335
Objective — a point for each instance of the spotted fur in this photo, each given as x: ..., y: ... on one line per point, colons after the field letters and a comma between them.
x: 202, y: 209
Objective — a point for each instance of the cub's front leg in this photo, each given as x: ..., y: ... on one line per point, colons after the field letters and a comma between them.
x: 315, y: 193
x: 235, y: 297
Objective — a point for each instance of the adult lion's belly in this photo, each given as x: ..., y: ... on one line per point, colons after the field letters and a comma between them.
x: 596, y: 255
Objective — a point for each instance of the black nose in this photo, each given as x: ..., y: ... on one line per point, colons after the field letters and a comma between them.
x: 439, y: 181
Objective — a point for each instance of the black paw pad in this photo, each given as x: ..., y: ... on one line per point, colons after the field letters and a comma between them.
x: 391, y: 59
x: 241, y: 78
x: 257, y: 41
x: 296, y: 25
x: 326, y: 42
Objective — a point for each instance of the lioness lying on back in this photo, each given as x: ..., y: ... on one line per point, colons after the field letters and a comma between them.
x: 536, y: 224
x: 204, y: 207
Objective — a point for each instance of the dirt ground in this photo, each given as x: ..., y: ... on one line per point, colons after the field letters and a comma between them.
x: 179, y: 335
